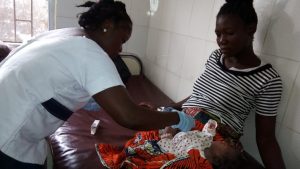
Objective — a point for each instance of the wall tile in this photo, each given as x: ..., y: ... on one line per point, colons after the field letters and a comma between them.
x: 264, y: 12
x: 194, y: 60
x: 176, y: 53
x: 200, y: 19
x: 183, y: 15
x: 158, y: 46
x: 138, y: 12
x: 292, y: 116
x: 185, y: 89
x: 168, y: 15
x: 158, y: 76
x: 141, y: 5
x: 171, y: 85
x: 152, y: 40
x: 162, y: 48
x: 210, y: 47
x: 147, y: 67
x: 138, y: 42
x: 156, y: 19
x: 290, y: 147
x: 67, y: 8
x: 283, y: 38
x: 139, y: 17
x: 63, y: 22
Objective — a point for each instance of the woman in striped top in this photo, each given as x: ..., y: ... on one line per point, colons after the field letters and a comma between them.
x: 236, y: 82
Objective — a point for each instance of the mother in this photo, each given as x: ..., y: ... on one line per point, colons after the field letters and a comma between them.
x: 237, y: 82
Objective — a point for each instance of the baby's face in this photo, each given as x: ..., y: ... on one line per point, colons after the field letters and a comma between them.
x: 169, y: 132
x: 219, y: 149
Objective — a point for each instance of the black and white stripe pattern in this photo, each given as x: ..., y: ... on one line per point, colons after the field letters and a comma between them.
x: 232, y: 95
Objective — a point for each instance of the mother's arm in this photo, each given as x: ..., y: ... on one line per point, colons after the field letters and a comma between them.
x: 267, y: 143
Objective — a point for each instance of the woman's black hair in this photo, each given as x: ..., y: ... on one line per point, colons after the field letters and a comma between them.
x: 101, y: 11
x: 242, y: 8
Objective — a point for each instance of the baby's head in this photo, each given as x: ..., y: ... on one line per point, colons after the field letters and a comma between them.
x: 223, y: 155
x: 168, y: 132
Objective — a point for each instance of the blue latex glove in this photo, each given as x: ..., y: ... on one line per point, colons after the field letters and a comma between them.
x: 186, y: 122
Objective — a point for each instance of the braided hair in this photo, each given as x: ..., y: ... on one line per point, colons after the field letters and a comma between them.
x: 242, y: 8
x: 101, y: 11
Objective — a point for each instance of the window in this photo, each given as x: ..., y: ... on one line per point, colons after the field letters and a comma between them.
x: 22, y: 19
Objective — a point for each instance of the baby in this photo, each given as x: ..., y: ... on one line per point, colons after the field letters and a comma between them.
x: 218, y: 153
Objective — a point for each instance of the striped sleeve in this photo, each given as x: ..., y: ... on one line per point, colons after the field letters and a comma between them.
x: 269, y: 98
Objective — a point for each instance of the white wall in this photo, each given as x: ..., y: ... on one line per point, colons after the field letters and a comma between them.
x: 66, y: 12
x: 175, y: 43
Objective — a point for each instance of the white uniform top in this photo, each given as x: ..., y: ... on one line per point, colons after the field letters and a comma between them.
x: 68, y: 69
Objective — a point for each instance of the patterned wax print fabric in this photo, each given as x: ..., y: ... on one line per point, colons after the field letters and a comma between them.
x: 143, y: 151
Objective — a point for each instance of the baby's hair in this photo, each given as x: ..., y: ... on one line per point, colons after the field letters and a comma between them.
x: 242, y: 8
x: 227, y: 162
x: 233, y: 160
x: 101, y: 11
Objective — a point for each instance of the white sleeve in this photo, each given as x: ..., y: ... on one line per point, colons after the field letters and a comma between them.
x: 99, y: 72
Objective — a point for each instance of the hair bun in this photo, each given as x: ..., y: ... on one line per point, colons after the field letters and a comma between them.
x: 87, y: 4
x: 120, y: 6
x: 240, y: 1
x: 107, y: 1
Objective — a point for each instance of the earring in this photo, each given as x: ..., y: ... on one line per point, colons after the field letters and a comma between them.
x: 104, y: 30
